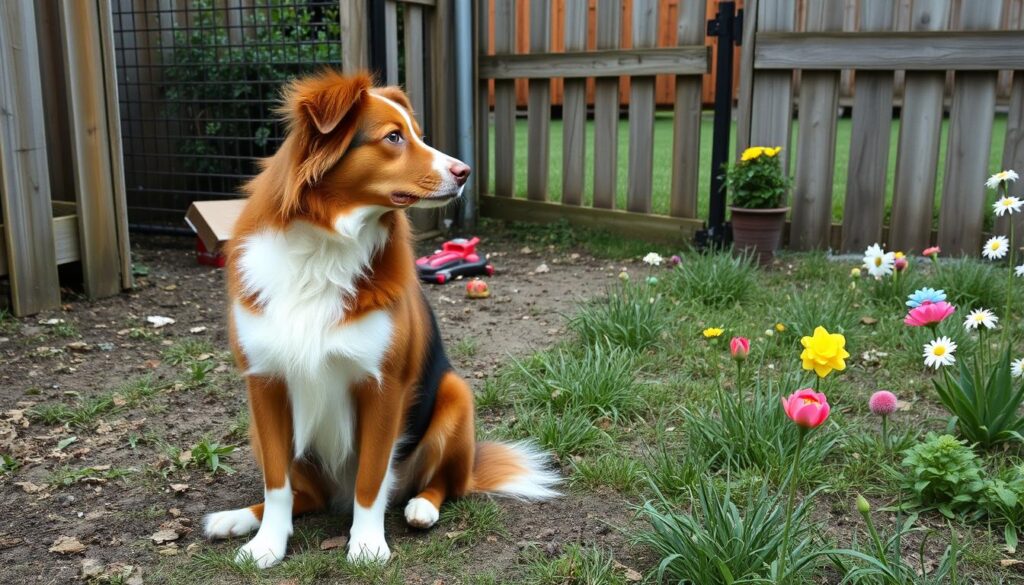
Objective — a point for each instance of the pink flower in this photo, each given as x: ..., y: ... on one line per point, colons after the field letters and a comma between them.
x: 739, y: 347
x: 675, y: 260
x: 882, y: 403
x: 806, y: 408
x: 900, y: 264
x: 929, y: 314
x: 933, y: 251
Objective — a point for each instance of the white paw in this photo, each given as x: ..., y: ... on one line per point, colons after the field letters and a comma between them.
x: 229, y: 523
x: 266, y: 550
x: 420, y: 513
x: 368, y: 548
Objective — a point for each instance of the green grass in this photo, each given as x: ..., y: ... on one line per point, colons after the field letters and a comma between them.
x: 633, y: 316
x: 663, y: 160
x: 576, y: 566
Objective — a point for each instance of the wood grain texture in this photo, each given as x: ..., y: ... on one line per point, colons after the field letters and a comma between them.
x: 1013, y: 153
x: 65, y: 241
x: 771, y: 106
x: 864, y: 210
x: 538, y: 114
x: 606, y: 110
x: 686, y: 125
x: 641, y: 113
x: 91, y: 148
x: 962, y: 213
x: 691, y: 60
x: 574, y: 108
x: 923, y: 51
x: 483, y: 109
x: 414, y: 79
x: 391, y: 42
x: 745, y: 89
x: 504, y: 103
x: 24, y: 175
x: 355, y: 45
x: 816, y: 144
x: 918, y: 150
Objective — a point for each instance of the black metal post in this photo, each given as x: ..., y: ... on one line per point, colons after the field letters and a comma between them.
x: 727, y: 26
x: 378, y: 40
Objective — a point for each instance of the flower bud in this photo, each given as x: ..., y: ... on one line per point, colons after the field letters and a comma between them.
x: 862, y: 505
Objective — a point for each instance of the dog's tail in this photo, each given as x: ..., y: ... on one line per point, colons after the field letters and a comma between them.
x: 518, y: 470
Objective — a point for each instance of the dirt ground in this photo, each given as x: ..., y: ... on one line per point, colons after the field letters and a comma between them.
x: 66, y: 495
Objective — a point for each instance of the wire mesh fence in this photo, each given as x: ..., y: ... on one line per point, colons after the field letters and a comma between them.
x: 198, y: 84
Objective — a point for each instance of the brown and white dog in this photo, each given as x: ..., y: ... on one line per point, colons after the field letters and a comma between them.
x: 350, y: 394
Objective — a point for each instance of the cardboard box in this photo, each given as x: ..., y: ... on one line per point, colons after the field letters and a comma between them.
x: 214, y: 221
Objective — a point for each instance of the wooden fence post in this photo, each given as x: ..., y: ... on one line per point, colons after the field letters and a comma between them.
x: 538, y: 112
x: 504, y: 102
x: 24, y: 176
x: 481, y: 99
x: 641, y: 112
x: 686, y: 125
x: 771, y: 103
x: 355, y: 49
x: 745, y: 91
x: 574, y: 108
x: 864, y: 210
x: 816, y: 144
x: 962, y: 213
x: 920, y: 129
x: 606, y: 110
x: 1013, y: 153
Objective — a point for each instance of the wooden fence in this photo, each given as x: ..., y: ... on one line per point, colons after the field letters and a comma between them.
x: 61, y: 184
x: 976, y: 51
x: 641, y: 63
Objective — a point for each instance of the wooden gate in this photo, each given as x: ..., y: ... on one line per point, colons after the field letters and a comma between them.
x: 972, y: 48
x: 640, y: 62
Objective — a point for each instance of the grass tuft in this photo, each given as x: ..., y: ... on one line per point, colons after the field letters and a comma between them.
x: 631, y: 316
x: 716, y: 280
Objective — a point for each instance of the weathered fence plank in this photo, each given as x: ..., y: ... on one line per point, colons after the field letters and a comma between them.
x: 816, y: 143
x: 745, y: 90
x: 538, y: 112
x: 962, y: 212
x: 391, y: 42
x: 483, y: 109
x: 355, y: 46
x: 918, y: 150
x: 864, y: 210
x: 574, y: 108
x: 504, y: 102
x: 641, y: 113
x: 1013, y: 153
x: 686, y: 126
x: 24, y: 176
x: 917, y: 50
x: 690, y: 60
x: 606, y: 110
x: 414, y: 78
x: 771, y: 105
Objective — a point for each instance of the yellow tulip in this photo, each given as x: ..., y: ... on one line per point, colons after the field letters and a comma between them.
x: 824, y: 352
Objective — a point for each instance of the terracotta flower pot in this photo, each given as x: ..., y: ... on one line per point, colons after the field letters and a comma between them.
x: 758, y: 230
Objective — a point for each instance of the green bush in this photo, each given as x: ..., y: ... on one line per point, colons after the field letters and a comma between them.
x: 944, y: 473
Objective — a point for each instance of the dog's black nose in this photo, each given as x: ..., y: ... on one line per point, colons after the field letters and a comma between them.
x: 460, y: 171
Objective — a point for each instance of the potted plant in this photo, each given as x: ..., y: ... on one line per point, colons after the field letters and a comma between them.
x: 757, y: 186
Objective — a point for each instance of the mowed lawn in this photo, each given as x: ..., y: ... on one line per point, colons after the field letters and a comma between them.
x: 663, y: 160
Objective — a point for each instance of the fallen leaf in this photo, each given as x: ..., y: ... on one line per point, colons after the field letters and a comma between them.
x: 1010, y: 563
x: 67, y: 545
x: 65, y: 442
x: 158, y: 321
x: 197, y: 330
x: 543, y: 268
x: 79, y: 346
x: 868, y: 320
x: 91, y: 568
x: 164, y: 536
x: 179, y: 488
x: 29, y: 488
x: 333, y: 543
x: 169, y: 551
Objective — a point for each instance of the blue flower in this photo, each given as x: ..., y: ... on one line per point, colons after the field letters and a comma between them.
x: 924, y: 296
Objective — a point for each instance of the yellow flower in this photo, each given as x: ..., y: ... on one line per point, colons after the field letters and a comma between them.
x: 900, y: 255
x: 824, y: 352
x: 752, y: 153
x: 780, y: 327
x: 772, y: 151
x: 711, y: 332
x: 855, y: 273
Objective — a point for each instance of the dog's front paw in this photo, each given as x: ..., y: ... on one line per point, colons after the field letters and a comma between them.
x: 420, y: 513
x: 264, y: 549
x: 368, y: 548
x: 230, y: 523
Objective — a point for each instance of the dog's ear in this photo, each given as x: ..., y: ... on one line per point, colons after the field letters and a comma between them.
x: 321, y: 102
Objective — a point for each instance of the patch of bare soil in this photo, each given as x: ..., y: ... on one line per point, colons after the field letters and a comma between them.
x: 105, y: 492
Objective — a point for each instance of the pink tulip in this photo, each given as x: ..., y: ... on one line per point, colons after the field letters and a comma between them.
x: 882, y: 403
x: 900, y: 264
x: 930, y: 252
x: 806, y: 408
x: 929, y: 314
x: 739, y: 347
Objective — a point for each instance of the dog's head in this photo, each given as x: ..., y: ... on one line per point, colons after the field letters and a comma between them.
x: 351, y: 145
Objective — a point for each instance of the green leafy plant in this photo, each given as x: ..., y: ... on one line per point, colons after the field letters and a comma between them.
x: 576, y: 566
x: 944, y: 473
x: 8, y: 464
x: 717, y: 542
x: 882, y: 562
x: 757, y: 181
x: 984, y: 400
x: 631, y: 316
x: 208, y: 454
x: 716, y: 280
x: 1002, y: 497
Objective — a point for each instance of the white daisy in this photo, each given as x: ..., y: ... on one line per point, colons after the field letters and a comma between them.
x: 1007, y: 204
x: 981, y: 318
x: 878, y: 262
x: 996, y: 247
x: 1017, y: 368
x: 994, y: 180
x: 1019, y: 270
x: 653, y: 258
x: 939, y: 352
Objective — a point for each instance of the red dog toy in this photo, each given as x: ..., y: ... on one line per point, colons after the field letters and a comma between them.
x: 457, y: 257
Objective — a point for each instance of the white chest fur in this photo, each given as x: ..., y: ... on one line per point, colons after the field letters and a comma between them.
x: 302, y: 278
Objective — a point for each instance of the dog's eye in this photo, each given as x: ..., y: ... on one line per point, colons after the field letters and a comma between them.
x: 394, y: 137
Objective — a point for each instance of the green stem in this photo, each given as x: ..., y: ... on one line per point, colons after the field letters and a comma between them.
x: 885, y: 433
x: 1009, y: 287
x: 784, y: 551
x: 876, y: 539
